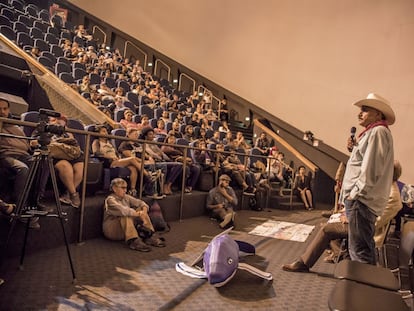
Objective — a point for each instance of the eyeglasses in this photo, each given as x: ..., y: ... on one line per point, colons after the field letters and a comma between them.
x: 122, y: 187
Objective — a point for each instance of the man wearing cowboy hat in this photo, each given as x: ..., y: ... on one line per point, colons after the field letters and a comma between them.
x: 221, y: 201
x: 368, y: 176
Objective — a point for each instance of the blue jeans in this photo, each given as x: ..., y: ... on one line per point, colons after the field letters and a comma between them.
x: 361, y: 231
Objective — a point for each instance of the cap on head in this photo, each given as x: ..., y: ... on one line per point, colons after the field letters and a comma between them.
x: 379, y: 103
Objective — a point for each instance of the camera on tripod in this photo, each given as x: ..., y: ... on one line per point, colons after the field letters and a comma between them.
x: 46, y: 130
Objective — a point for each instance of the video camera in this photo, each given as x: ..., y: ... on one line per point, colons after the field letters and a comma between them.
x: 44, y: 129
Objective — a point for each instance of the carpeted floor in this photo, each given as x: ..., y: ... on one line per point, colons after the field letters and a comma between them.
x: 112, y: 277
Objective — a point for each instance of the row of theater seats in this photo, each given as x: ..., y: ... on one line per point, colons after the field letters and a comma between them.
x: 98, y: 177
x: 34, y: 28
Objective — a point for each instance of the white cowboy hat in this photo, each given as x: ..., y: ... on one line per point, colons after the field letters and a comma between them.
x: 379, y: 103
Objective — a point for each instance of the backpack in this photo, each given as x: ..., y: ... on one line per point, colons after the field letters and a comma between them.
x: 157, y: 218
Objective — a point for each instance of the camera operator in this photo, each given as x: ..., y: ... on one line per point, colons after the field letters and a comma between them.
x: 15, y: 156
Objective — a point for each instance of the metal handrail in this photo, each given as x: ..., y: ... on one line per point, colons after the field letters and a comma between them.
x: 188, y: 77
x: 101, y: 30
x: 139, y: 49
x: 163, y: 63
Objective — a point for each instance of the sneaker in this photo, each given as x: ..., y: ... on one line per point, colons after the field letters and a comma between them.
x: 138, y: 245
x: 65, y: 198
x: 75, y: 200
x: 188, y: 189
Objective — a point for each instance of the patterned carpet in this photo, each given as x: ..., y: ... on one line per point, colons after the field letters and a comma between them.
x: 112, y: 277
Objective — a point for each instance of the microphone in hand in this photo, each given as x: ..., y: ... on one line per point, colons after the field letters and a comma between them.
x: 351, y: 140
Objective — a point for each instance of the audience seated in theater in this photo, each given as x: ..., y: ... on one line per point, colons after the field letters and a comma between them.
x: 119, y: 92
x: 81, y: 32
x: 195, y: 121
x: 90, y: 52
x: 302, y: 188
x: 126, y: 218
x: 160, y: 129
x: 216, y: 138
x: 222, y: 201
x: 102, y: 147
x: 203, y: 157
x: 207, y: 100
x: 199, y: 112
x: 95, y: 98
x: 263, y: 144
x: 240, y: 142
x: 189, y: 133
x: 70, y: 171
x: 180, y: 117
x: 105, y: 91
x: 233, y: 164
x: 119, y: 104
x: 66, y: 47
x: 75, y: 51
x: 162, y: 161
x: 165, y: 116
x: 176, y: 154
x: 144, y: 122
x: 210, y: 115
x: 337, y: 228
x: 206, y: 125
x: 202, y: 135
x: 85, y: 86
x: 175, y: 131
x: 228, y: 139
x: 127, y: 122
x: 132, y: 149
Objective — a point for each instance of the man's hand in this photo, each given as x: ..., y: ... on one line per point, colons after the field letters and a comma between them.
x: 350, y: 144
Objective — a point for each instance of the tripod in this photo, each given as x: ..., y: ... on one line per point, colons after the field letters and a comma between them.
x: 39, y: 162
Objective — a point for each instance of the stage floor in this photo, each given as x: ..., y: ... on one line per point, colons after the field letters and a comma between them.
x: 112, y: 277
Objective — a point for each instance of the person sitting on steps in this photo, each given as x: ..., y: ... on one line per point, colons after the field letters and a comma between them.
x: 302, y: 188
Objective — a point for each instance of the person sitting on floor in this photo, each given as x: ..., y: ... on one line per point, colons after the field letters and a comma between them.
x: 221, y: 202
x: 334, y: 230
x: 126, y: 218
